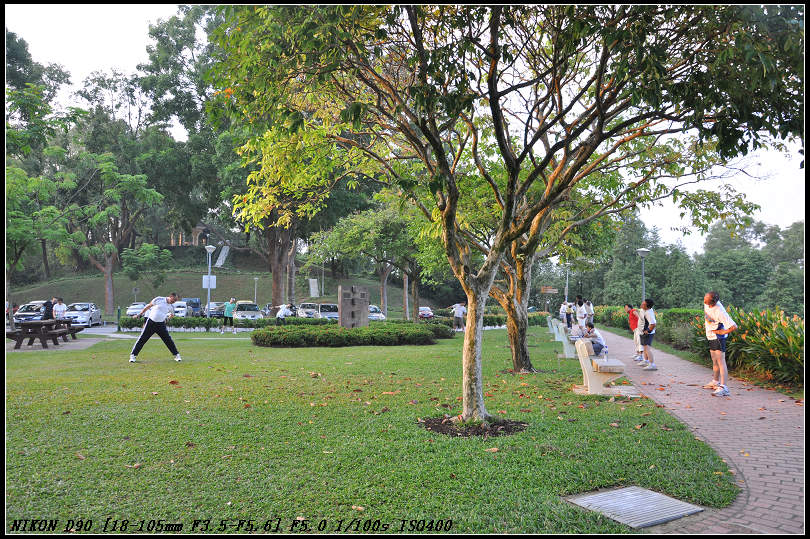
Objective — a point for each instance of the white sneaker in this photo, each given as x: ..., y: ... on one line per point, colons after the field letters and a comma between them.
x: 177, y: 358
x: 721, y: 391
x: 712, y: 385
x: 131, y: 358
x: 650, y: 367
x: 643, y: 363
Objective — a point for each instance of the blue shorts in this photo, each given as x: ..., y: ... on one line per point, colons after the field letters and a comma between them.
x: 646, y: 340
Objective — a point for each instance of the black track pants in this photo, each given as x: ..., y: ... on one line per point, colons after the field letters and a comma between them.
x: 150, y: 328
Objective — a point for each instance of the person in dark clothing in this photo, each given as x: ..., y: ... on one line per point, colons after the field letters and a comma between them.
x: 47, y: 314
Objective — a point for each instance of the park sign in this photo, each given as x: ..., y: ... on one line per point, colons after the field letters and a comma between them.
x: 213, y: 279
x: 548, y: 290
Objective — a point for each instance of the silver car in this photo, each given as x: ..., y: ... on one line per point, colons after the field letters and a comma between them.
x: 84, y: 314
x: 327, y: 310
x: 374, y: 313
x: 307, y: 310
x: 135, y: 308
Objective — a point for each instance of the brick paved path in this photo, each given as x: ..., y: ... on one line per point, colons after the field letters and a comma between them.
x: 758, y: 432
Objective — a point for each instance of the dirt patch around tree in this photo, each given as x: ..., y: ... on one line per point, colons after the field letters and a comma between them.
x: 445, y: 425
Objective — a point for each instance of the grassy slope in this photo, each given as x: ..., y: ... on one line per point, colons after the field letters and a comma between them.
x: 323, y: 433
x: 189, y: 284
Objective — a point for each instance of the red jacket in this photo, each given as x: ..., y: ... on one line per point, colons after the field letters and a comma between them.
x: 633, y: 319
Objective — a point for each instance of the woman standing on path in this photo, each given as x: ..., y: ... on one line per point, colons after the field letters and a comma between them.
x: 647, y: 318
x: 632, y: 320
x: 718, y: 325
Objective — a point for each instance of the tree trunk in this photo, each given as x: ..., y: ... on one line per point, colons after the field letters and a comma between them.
x: 10, y: 307
x: 109, y: 300
x: 45, y: 259
x: 517, y: 326
x: 405, y: 310
x: 291, y: 272
x: 385, y: 271
x: 415, y: 296
x: 278, y: 247
x: 472, y: 379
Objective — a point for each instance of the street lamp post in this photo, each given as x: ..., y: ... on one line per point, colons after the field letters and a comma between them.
x: 643, y: 253
x: 567, y: 265
x: 210, y: 250
x: 255, y: 287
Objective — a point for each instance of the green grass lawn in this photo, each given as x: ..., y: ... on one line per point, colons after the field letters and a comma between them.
x: 328, y: 435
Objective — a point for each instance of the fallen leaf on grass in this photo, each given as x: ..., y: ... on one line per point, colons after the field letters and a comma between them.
x: 641, y: 426
x: 154, y: 393
x: 614, y: 424
x: 413, y: 402
x: 136, y: 465
x: 664, y: 427
x: 190, y: 444
x: 491, y: 450
x: 358, y: 508
x: 66, y: 413
x: 174, y: 382
x: 80, y: 456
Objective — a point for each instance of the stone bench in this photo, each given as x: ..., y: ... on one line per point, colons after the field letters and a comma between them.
x: 596, y: 371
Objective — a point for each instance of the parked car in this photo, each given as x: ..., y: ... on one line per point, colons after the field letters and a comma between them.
x: 193, y: 306
x: 216, y: 309
x: 307, y: 310
x: 425, y: 313
x: 33, y: 310
x: 246, y: 310
x: 327, y: 310
x: 135, y: 308
x: 180, y: 309
x: 374, y: 313
x: 85, y: 314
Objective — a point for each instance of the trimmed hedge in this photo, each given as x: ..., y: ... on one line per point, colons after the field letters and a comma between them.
x: 376, y: 335
x: 201, y: 322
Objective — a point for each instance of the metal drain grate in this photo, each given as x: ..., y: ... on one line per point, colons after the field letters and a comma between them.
x: 635, y: 506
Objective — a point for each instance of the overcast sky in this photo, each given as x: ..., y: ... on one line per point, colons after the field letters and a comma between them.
x: 84, y: 38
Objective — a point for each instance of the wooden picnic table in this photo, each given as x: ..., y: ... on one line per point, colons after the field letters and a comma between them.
x: 44, y: 330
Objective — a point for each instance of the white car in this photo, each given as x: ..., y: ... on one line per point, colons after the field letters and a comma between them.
x: 33, y: 310
x: 180, y: 309
x: 135, y: 308
x: 84, y: 314
x: 374, y: 313
x: 327, y: 310
x: 307, y: 310
x: 246, y: 310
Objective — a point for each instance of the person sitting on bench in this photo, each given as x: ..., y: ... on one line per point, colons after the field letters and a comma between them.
x: 597, y: 341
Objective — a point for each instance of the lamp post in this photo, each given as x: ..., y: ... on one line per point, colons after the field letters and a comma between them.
x: 210, y: 250
x: 567, y: 265
x: 643, y: 253
x: 255, y: 287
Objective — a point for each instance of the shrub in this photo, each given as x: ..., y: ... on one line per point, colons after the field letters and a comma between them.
x: 376, y: 335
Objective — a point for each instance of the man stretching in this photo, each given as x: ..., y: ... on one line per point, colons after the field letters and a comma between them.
x: 159, y: 309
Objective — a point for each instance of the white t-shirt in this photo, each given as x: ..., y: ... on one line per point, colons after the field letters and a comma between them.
x: 713, y: 317
x: 283, y: 312
x: 160, y: 310
x: 563, y: 308
x: 595, y: 336
x: 581, y: 314
x: 459, y: 310
x: 589, y: 308
x: 649, y: 316
x: 59, y: 310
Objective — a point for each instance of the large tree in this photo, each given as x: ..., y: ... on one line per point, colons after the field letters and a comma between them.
x: 561, y: 90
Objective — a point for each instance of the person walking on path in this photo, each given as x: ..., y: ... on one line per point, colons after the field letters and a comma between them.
x: 563, y: 309
x: 582, y: 315
x: 589, y: 311
x: 569, y: 314
x: 632, y: 319
x: 59, y: 309
x: 159, y: 309
x: 647, y: 333
x: 718, y: 325
x: 228, y: 316
x: 459, y: 310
